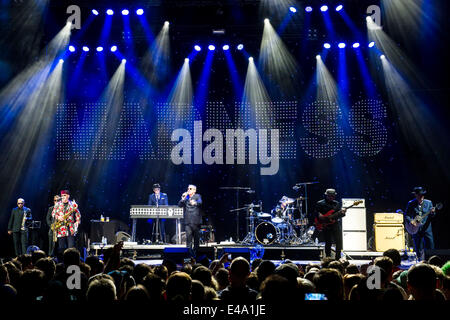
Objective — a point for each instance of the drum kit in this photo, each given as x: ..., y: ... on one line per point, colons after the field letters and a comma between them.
x: 278, y: 227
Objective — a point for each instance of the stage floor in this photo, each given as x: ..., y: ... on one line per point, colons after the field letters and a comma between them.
x: 153, y: 254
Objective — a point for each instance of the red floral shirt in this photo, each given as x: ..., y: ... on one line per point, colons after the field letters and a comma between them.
x: 59, y: 210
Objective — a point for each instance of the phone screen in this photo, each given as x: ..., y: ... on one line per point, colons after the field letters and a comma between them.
x: 315, y: 296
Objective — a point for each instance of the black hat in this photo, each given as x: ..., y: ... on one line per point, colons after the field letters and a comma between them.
x: 156, y: 186
x: 419, y: 190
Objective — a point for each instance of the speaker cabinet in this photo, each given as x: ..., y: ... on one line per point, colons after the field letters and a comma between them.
x: 354, y: 241
x: 389, y: 236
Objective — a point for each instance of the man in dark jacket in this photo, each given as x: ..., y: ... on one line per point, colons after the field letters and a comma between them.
x: 18, y: 227
x: 49, y: 220
x: 191, y: 202
x: 157, y: 198
x: 333, y: 231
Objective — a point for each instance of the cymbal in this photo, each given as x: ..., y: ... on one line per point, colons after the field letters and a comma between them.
x: 252, y: 205
x: 287, y: 200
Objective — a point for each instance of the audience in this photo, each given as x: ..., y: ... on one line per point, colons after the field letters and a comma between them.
x: 238, y: 291
x: 37, y: 277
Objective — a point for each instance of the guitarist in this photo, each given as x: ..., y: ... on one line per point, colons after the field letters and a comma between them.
x: 423, y: 239
x: 332, y: 231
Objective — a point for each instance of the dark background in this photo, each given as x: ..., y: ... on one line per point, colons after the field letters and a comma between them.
x: 384, y: 180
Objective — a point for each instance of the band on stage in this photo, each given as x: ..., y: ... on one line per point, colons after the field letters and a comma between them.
x: 287, y: 223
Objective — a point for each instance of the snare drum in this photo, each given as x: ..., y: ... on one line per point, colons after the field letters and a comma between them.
x: 266, y: 233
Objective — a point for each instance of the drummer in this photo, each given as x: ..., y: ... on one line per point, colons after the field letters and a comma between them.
x: 280, y: 210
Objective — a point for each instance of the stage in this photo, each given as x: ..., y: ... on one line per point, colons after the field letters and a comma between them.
x: 304, y: 255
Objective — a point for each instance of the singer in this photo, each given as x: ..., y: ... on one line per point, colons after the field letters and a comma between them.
x: 191, y: 202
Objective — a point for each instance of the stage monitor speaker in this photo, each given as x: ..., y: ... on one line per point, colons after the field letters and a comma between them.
x: 389, y: 236
x: 354, y: 240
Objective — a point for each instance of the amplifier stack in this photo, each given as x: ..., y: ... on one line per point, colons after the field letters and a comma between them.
x: 389, y: 231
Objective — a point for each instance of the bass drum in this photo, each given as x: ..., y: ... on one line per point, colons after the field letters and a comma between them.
x: 266, y: 233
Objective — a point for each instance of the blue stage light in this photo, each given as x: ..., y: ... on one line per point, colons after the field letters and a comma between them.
x: 113, y: 49
x: 109, y: 12
x: 341, y: 45
x: 85, y: 49
x: 324, y: 8
x: 240, y: 46
x: 94, y: 12
x: 225, y: 47
x: 371, y: 44
x: 211, y: 47
x: 71, y: 48
x: 356, y: 45
x: 197, y: 48
x: 327, y: 45
x: 99, y: 49
x: 125, y: 12
x: 308, y: 9
x: 339, y: 7
x: 293, y: 9
x: 140, y: 12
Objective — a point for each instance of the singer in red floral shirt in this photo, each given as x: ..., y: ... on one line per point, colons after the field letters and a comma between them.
x: 67, y: 218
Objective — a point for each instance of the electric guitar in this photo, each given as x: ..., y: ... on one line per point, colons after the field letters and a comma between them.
x: 331, y: 216
x: 414, y: 226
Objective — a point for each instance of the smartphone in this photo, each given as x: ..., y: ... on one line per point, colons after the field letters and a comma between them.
x: 187, y: 260
x: 315, y: 296
x: 229, y: 257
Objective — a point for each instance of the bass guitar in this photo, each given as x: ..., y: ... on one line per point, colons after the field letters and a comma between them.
x: 332, y: 216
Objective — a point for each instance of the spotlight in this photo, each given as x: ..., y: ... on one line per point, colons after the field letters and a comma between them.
x: 250, y: 59
x: 99, y: 49
x: 124, y: 60
x: 308, y: 9
x: 339, y: 7
x: 186, y: 60
x: 211, y: 47
x: 341, y: 45
x: 356, y: 45
x: 125, y: 12
x: 382, y: 56
x: 324, y: 8
x: 266, y: 20
x: 166, y: 23
x: 240, y: 46
x: 61, y: 60
x: 318, y: 57
x: 85, y: 49
x: 225, y: 47
x: 327, y: 45
x: 140, y: 12
x: 109, y: 12
x: 94, y: 12
x: 113, y: 49
x: 371, y: 44
x: 293, y: 9
x: 71, y: 48
x: 197, y: 48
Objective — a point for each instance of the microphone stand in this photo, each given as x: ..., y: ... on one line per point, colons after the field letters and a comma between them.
x: 237, y: 206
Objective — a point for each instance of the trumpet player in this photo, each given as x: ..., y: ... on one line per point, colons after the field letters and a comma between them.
x: 191, y: 202
x: 67, y: 218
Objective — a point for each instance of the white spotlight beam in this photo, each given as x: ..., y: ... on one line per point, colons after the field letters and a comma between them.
x: 276, y: 61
